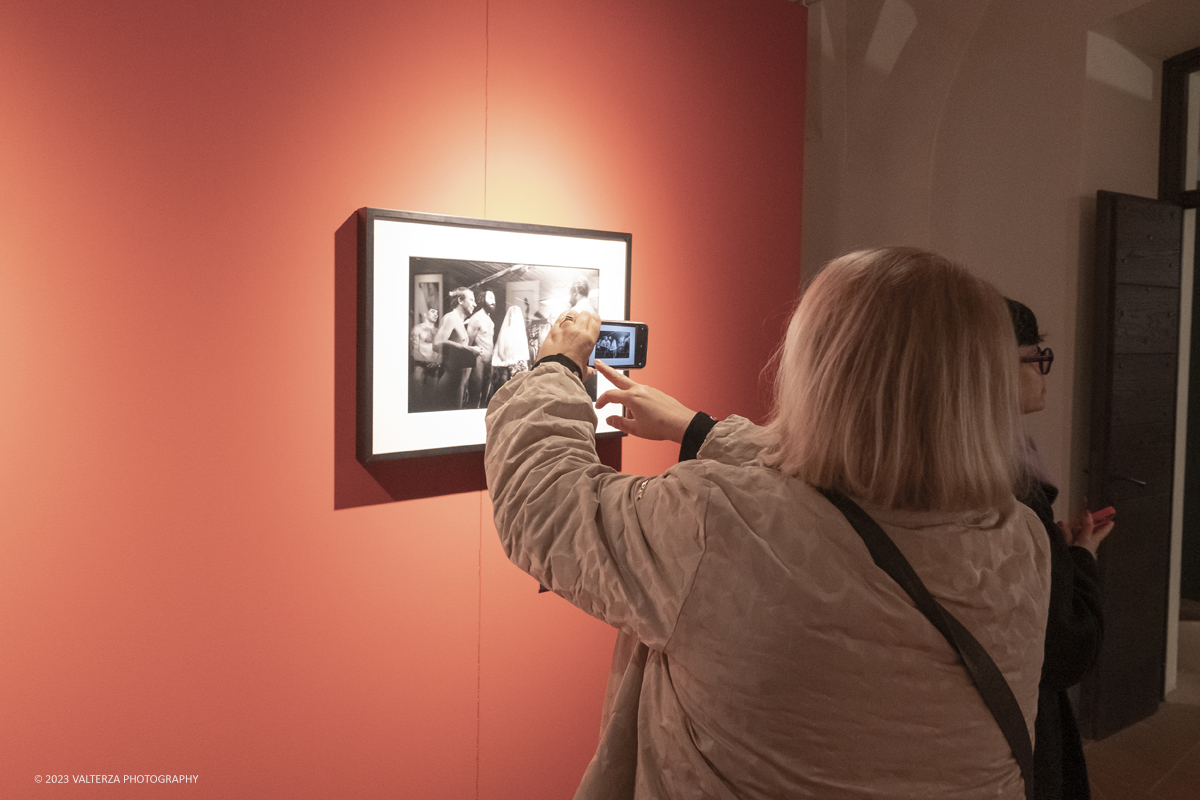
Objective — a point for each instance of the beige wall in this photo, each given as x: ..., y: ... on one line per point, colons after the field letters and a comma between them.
x: 982, y: 130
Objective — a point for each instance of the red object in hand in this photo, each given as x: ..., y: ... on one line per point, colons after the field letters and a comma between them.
x: 1103, y: 515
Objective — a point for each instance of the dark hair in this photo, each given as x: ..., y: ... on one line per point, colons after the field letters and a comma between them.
x: 581, y: 286
x: 1024, y: 324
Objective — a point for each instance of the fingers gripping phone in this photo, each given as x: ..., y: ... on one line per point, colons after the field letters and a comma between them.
x: 621, y: 345
x: 1103, y: 515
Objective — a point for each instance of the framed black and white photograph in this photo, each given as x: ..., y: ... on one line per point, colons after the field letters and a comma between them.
x: 452, y: 308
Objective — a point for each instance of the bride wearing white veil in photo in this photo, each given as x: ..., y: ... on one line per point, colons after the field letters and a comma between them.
x: 511, y: 355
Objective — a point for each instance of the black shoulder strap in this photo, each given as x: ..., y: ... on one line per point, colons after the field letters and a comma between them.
x: 988, y: 678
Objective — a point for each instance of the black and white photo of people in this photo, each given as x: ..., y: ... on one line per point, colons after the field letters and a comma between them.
x: 613, y: 345
x: 473, y: 325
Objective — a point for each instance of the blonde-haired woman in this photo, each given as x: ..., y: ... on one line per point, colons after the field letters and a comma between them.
x: 762, y: 653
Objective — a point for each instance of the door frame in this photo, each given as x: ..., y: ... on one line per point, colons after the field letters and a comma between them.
x: 1174, y: 166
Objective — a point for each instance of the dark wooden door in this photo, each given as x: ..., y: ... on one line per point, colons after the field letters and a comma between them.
x: 1132, y: 455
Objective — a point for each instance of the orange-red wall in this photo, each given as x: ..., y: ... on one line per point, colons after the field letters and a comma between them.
x: 181, y: 592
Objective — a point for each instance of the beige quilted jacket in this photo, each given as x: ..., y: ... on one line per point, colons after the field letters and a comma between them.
x: 761, y: 652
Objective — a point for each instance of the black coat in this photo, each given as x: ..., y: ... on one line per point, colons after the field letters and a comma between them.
x: 1074, y: 631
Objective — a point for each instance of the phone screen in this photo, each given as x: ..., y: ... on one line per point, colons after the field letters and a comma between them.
x: 619, y: 345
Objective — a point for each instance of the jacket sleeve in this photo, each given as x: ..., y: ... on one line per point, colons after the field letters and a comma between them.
x: 624, y: 549
x: 1075, y: 625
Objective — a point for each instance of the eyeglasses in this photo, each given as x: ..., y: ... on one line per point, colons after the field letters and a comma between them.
x: 1043, y: 359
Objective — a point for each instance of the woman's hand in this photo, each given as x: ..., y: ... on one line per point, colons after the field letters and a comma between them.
x: 1084, y: 532
x: 573, y: 335
x: 652, y: 414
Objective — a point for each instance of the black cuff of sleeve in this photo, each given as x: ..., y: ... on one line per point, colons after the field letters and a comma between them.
x: 566, y: 361
x: 693, y: 438
x: 1083, y: 558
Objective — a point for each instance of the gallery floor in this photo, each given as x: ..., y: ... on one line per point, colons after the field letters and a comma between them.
x: 1158, y: 758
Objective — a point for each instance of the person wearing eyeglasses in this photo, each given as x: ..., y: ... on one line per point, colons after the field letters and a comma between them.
x: 1075, y: 624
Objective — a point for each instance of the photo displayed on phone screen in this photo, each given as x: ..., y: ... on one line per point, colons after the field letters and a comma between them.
x: 614, y: 346
x: 621, y: 345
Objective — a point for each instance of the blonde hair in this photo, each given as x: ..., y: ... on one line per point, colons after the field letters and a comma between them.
x: 896, y: 385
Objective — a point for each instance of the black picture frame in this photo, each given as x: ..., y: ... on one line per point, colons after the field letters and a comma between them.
x: 416, y: 396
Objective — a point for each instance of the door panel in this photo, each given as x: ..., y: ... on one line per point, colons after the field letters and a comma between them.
x: 1135, y: 630
x: 1147, y: 319
x: 1150, y: 236
x: 1143, y: 389
x: 1142, y: 464
x: 1131, y: 458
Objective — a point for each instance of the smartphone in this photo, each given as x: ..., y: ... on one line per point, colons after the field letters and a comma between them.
x: 1103, y: 515
x: 621, y: 345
